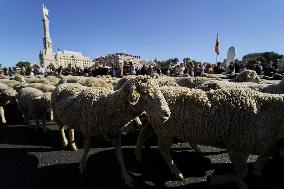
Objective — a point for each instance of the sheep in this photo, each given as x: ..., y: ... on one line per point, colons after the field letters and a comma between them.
x: 44, y: 88
x: 161, y: 81
x: 11, y: 83
x: 219, y: 76
x: 166, y: 81
x: 248, y: 76
x: 85, y: 81
x: 214, y: 85
x: 112, y: 81
x: 41, y: 86
x: 7, y: 94
x: 192, y: 82
x: 277, y: 88
x: 98, y: 111
x: 37, y: 80
x: 34, y: 103
x: 243, y: 121
x: 53, y: 79
x: 19, y: 78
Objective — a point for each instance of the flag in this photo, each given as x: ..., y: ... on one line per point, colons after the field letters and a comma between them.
x: 217, y: 46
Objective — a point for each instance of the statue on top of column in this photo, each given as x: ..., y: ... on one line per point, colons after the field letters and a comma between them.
x: 44, y: 12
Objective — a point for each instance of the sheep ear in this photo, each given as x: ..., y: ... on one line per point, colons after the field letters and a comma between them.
x: 39, y: 97
x: 134, y: 97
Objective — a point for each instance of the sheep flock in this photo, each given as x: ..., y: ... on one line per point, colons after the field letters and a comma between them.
x: 244, y: 115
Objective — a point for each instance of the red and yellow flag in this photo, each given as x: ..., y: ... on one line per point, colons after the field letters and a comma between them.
x: 217, y: 46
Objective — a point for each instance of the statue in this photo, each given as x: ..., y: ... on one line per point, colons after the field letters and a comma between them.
x: 44, y: 12
x: 230, y: 56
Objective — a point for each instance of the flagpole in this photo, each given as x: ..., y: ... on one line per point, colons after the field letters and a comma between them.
x: 217, y: 48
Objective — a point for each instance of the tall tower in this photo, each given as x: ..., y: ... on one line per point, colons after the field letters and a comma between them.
x: 46, y: 55
x: 47, y: 44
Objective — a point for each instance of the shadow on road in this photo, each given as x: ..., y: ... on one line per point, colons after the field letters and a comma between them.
x: 18, y: 169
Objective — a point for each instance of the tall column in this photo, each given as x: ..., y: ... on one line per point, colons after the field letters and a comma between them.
x: 47, y: 43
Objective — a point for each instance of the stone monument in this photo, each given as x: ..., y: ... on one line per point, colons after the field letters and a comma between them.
x: 64, y: 59
x: 230, y: 56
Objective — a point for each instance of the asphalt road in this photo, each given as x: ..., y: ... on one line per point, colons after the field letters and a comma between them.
x: 34, y: 160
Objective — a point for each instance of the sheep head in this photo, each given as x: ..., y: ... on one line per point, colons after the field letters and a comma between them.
x: 146, y: 95
x: 44, y: 99
x: 7, y: 96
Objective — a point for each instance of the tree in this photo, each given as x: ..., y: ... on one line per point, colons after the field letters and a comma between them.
x: 23, y: 64
x: 271, y: 56
x: 263, y: 57
x: 168, y: 63
x: 186, y: 60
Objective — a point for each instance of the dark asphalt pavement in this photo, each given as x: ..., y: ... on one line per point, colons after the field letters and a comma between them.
x: 34, y: 160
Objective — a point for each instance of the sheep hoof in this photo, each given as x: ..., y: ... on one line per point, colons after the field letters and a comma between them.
x: 180, y: 176
x: 4, y: 121
x: 138, y: 156
x: 129, y: 182
x: 74, y: 147
x: 82, y: 168
x: 212, y: 180
x: 44, y: 130
x: 256, y: 172
x: 64, y: 143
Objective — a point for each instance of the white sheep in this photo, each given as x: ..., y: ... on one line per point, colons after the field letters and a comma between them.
x: 243, y: 121
x: 53, y: 79
x: 86, y: 81
x: 276, y: 88
x: 192, y: 82
x: 248, y: 76
x: 19, y: 78
x: 34, y: 103
x: 11, y: 83
x: 97, y: 111
x: 7, y: 94
x: 41, y: 86
x: 37, y: 80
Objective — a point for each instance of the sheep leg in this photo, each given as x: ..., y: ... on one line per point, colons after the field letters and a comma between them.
x: 138, y: 121
x: 62, y: 133
x: 44, y: 123
x: 72, y: 140
x: 87, y: 147
x: 51, y: 115
x: 2, y: 114
x: 27, y: 119
x: 164, y: 147
x: 116, y: 142
x: 263, y: 158
x: 36, y: 121
x: 195, y: 148
x: 240, y: 170
x: 144, y: 134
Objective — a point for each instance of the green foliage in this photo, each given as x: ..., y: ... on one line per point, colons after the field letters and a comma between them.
x: 250, y: 64
x: 272, y: 56
x: 263, y: 57
x: 23, y: 64
x: 186, y: 60
x: 168, y: 63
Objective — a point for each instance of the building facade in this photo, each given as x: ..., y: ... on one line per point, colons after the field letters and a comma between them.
x: 48, y: 57
x: 118, y: 60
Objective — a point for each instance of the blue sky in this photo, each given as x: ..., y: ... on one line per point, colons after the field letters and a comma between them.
x: 149, y: 28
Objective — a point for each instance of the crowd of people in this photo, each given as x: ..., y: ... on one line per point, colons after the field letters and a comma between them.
x: 193, y: 69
